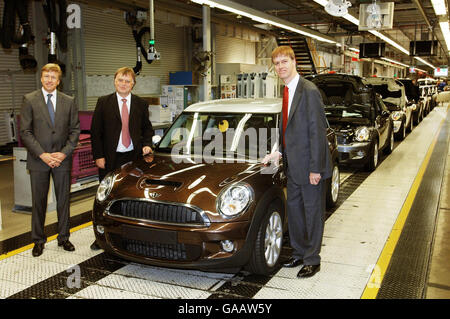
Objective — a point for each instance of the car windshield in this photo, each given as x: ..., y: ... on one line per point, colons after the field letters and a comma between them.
x: 411, y: 90
x: 385, y: 92
x: 221, y: 134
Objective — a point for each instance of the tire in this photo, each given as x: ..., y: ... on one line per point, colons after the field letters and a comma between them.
x: 372, y: 162
x: 333, y: 187
x: 268, y: 244
x: 401, y: 134
x: 417, y: 119
x: 411, y: 123
x: 390, y: 146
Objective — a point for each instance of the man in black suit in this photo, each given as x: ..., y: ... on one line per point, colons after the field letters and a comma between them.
x: 121, y: 130
x: 306, y: 159
x: 49, y: 128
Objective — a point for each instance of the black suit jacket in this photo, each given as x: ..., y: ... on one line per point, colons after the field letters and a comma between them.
x: 306, y: 136
x: 107, y: 124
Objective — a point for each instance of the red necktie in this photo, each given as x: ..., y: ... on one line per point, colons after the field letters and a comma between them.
x: 126, y: 141
x: 285, y: 110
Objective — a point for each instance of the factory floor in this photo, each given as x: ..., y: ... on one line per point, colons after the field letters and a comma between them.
x: 389, y: 238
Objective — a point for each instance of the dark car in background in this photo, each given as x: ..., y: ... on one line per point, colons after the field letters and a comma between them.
x: 418, y: 104
x: 394, y: 97
x: 361, y: 120
x: 203, y: 200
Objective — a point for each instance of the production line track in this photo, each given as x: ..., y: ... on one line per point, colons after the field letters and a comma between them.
x: 356, y: 232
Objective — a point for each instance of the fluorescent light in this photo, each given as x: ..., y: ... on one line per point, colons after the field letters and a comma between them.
x: 388, y: 40
x: 351, y: 18
x: 262, y: 17
x: 354, y: 49
x: 395, y: 62
x: 439, y: 7
x: 354, y: 20
x: 425, y: 62
x: 445, y: 28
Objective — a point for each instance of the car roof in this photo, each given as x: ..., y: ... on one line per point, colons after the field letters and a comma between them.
x: 260, y: 105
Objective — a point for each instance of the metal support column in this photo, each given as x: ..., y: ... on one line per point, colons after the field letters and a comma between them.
x: 206, y: 94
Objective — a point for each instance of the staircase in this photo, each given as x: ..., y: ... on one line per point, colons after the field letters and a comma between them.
x: 305, y: 61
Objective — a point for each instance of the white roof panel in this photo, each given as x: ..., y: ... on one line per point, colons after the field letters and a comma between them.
x: 268, y: 105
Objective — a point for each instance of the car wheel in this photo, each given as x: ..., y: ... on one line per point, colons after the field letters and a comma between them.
x: 401, y: 134
x: 390, y: 146
x: 268, y: 244
x: 373, y: 158
x: 333, y: 187
x: 417, y: 119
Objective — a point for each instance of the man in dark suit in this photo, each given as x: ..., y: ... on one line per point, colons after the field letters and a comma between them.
x: 49, y: 128
x: 306, y: 159
x: 121, y: 130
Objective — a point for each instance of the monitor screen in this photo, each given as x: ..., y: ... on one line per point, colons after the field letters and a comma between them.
x: 441, y: 72
x: 372, y: 50
x: 423, y: 48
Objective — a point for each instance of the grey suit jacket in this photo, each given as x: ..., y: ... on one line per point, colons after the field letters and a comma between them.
x: 38, y: 133
x: 306, y: 137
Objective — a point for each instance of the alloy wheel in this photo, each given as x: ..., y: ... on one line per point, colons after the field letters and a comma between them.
x: 273, y: 239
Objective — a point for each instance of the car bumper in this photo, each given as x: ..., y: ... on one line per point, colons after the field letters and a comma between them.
x: 187, y: 248
x: 397, y: 125
x: 354, y: 152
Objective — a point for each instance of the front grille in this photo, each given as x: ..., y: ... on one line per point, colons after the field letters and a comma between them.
x: 153, y: 211
x: 344, y: 138
x: 176, y: 252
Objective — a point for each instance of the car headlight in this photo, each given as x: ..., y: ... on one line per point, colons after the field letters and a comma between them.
x: 235, y: 199
x: 414, y: 106
x: 362, y: 134
x: 105, y: 187
x: 396, y: 115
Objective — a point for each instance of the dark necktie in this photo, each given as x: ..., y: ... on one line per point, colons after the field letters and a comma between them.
x: 126, y: 141
x: 51, y: 110
x: 285, y: 110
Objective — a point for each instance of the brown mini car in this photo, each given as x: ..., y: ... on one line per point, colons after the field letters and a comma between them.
x: 203, y: 200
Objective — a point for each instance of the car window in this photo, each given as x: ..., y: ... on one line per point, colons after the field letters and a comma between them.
x: 245, y: 134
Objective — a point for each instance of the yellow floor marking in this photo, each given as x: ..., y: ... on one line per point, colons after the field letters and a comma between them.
x: 49, y: 239
x: 376, y: 278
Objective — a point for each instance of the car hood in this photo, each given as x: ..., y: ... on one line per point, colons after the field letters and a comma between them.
x: 345, y: 124
x: 182, y: 179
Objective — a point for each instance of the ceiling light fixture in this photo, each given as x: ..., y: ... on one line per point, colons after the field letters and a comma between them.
x: 395, y: 62
x: 262, y: 17
x: 439, y: 7
x: 388, y: 40
x: 337, y: 8
x: 425, y: 62
x: 445, y: 29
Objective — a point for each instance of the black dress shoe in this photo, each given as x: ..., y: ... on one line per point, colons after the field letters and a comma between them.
x: 308, y: 271
x: 293, y: 262
x: 67, y: 245
x: 37, y: 250
x: 95, y: 246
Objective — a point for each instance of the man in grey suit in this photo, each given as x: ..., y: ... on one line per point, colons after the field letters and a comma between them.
x: 306, y: 159
x: 49, y: 128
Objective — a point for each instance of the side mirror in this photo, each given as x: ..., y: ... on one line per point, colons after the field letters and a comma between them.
x: 156, y: 139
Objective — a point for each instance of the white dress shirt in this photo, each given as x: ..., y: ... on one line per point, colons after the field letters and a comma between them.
x: 53, y: 98
x: 292, y: 86
x: 120, y: 147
